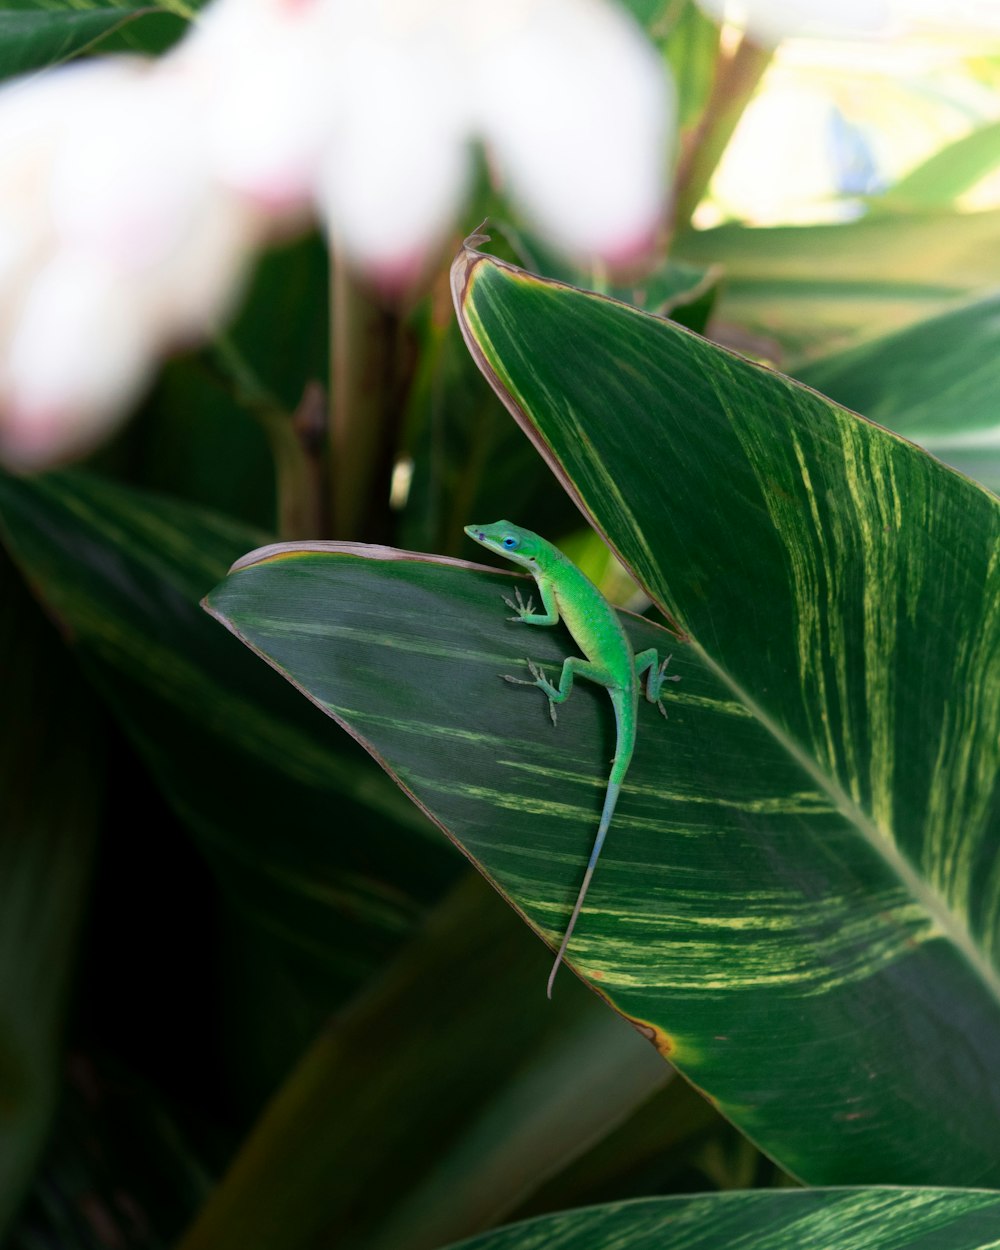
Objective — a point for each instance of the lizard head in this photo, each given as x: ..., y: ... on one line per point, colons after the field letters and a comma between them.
x: 508, y: 540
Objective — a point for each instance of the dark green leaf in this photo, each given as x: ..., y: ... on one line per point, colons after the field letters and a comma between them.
x: 878, y: 1219
x: 844, y: 590
x: 308, y: 838
x: 118, y: 1173
x: 34, y: 38
x: 497, y: 1096
x: 51, y: 777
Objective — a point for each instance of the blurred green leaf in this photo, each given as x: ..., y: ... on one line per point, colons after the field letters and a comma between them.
x: 51, y: 778
x: 691, y: 41
x: 793, y: 292
x: 307, y: 837
x: 465, y: 455
x: 288, y: 351
x: 499, y: 1096
x: 192, y: 424
x: 897, y: 1219
x: 676, y: 1142
x: 683, y: 292
x: 943, y: 177
x: 118, y: 1173
x: 937, y: 382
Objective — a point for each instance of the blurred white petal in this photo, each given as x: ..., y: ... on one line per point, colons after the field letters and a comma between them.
x: 78, y: 353
x: 32, y: 124
x: 573, y: 102
x: 577, y: 107
x: 133, y: 192
x: 397, y: 166
x: 124, y: 244
x: 129, y: 169
x: 767, y: 22
x: 274, y: 93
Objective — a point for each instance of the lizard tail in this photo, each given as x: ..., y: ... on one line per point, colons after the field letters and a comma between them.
x: 610, y: 799
x: 624, y: 705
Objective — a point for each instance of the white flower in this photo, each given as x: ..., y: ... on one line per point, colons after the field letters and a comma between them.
x: 117, y: 244
x: 271, y: 94
x: 133, y: 192
x: 767, y: 22
x: 377, y: 104
x: 393, y: 174
x: 579, y: 111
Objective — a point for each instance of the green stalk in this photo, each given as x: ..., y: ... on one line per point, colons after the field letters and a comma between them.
x: 737, y: 75
x: 363, y: 416
x: 295, y: 439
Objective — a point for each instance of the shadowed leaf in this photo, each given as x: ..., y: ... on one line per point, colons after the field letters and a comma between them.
x: 254, y: 772
x: 51, y: 777
x: 896, y: 1219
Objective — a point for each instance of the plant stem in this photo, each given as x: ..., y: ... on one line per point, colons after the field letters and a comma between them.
x: 363, y: 414
x: 737, y: 74
x: 296, y: 444
x: 294, y: 439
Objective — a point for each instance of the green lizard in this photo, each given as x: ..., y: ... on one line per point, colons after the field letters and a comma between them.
x: 610, y: 661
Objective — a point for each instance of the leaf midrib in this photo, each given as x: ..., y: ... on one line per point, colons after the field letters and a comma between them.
x: 944, y: 918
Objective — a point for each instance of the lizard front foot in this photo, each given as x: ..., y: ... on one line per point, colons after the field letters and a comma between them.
x: 520, y: 607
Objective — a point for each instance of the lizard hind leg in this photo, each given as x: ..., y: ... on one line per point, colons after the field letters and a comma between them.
x: 543, y: 684
x: 559, y: 694
x: 648, y: 662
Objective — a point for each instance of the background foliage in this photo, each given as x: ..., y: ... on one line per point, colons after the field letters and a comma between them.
x: 252, y: 997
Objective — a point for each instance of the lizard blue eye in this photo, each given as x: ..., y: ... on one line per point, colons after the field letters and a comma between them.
x: 510, y: 542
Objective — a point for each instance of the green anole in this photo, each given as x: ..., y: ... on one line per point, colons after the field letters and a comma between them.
x: 610, y: 661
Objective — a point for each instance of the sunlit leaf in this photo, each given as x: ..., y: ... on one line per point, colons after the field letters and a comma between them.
x: 792, y: 292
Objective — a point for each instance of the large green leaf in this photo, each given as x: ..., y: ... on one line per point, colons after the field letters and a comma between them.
x: 831, y: 883
x: 802, y: 291
x: 406, y: 652
x: 937, y: 382
x: 803, y: 871
x: 878, y: 1219
x: 51, y: 778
